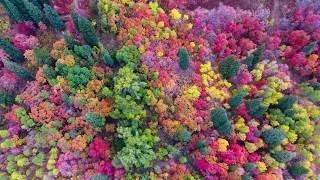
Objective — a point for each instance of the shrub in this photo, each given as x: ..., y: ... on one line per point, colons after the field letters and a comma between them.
x: 254, y: 58
x: 54, y: 18
x: 184, y: 58
x: 282, y: 156
x: 18, y: 70
x: 297, y: 170
x: 12, y: 10
x: 273, y: 136
x: 256, y: 108
x: 34, y: 12
x: 12, y: 51
x: 221, y: 122
x: 88, y: 32
x: 229, y: 67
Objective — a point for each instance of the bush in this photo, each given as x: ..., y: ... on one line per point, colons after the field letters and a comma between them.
x: 221, y: 122
x: 12, y: 51
x: 256, y: 108
x: 254, y: 58
x: 54, y: 18
x: 229, y: 67
x: 297, y: 170
x: 273, y: 136
x: 18, y: 70
x: 184, y: 58
x: 282, y: 156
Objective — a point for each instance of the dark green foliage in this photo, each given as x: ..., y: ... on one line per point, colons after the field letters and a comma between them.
x: 12, y: 51
x: 128, y: 54
x: 69, y: 41
x: 221, y: 122
x: 287, y: 102
x: 49, y: 72
x: 94, y: 120
x: 54, y: 18
x: 84, y: 52
x: 184, y: 136
x: 88, y: 33
x: 273, y: 136
x: 75, y: 20
x: 297, y: 170
x: 229, y: 67
x: 202, y: 146
x: 282, y: 156
x: 107, y: 59
x: 249, y: 166
x: 256, y: 108
x: 184, y: 58
x: 43, y: 2
x: 100, y: 177
x: 42, y: 56
x: 6, y: 99
x: 18, y: 70
x: 22, y: 9
x: 236, y: 100
x: 246, y: 177
x: 78, y: 77
x: 36, y: 3
x: 308, y: 49
x: 12, y: 10
x: 254, y: 58
x: 34, y: 12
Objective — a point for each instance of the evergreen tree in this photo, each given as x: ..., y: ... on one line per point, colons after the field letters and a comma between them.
x: 221, y: 122
x: 107, y: 59
x: 87, y: 31
x: 12, y: 51
x: 282, y: 156
x: 12, y: 10
x: 297, y: 170
x: 184, y: 136
x: 287, y: 102
x: 54, y: 18
x: 273, y: 136
x: 184, y: 58
x: 229, y: 67
x: 256, y: 108
x: 308, y: 49
x: 42, y: 56
x: 254, y: 58
x: 18, y: 70
x: 6, y: 99
x: 34, y: 12
x: 22, y: 9
x: 75, y: 19
x: 237, y: 99
x: 70, y: 41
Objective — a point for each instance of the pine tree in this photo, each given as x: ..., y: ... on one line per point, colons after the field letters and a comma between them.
x: 256, y: 108
x: 221, y: 122
x: 282, y: 156
x: 297, y: 170
x: 107, y: 59
x: 184, y: 58
x: 308, y: 49
x: 12, y: 10
x: 22, y: 9
x: 12, y: 51
x: 70, y: 41
x: 18, y: 70
x: 229, y: 67
x: 87, y: 31
x: 273, y: 136
x: 287, y: 102
x: 254, y: 58
x: 54, y: 18
x: 6, y: 99
x: 42, y: 56
x: 75, y: 20
x: 34, y: 12
x: 237, y: 99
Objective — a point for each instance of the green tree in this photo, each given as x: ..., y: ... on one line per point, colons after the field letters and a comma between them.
x: 6, y: 99
x: 237, y: 99
x: 12, y: 10
x: 34, y: 12
x: 229, y: 67
x: 12, y: 51
x: 18, y: 70
x: 254, y: 58
x: 221, y: 122
x: 88, y: 32
x: 42, y: 56
x: 94, y: 120
x: 22, y: 9
x: 70, y: 41
x: 184, y: 136
x: 282, y: 156
x: 273, y: 136
x: 202, y: 146
x: 256, y: 108
x: 54, y: 18
x: 184, y: 58
x: 297, y: 170
x: 287, y: 102
x: 128, y: 54
x: 75, y: 19
x: 308, y: 49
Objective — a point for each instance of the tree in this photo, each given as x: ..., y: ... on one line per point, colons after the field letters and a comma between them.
x: 287, y: 102
x: 282, y: 156
x: 229, y: 67
x: 308, y: 49
x: 256, y: 108
x: 184, y: 136
x: 34, y: 12
x: 221, y: 122
x: 75, y: 19
x: 254, y: 58
x: 6, y: 99
x: 22, y: 9
x: 128, y: 54
x: 54, y: 18
x: 18, y: 70
x: 12, y: 51
x: 42, y: 56
x: 297, y: 170
x: 70, y: 41
x: 94, y: 120
x: 273, y: 136
x: 87, y: 31
x: 184, y: 58
x: 237, y: 99
x: 12, y: 10
x: 202, y: 146
x: 107, y: 59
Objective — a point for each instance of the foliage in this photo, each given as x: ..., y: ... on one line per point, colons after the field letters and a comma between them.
x: 100, y: 177
x: 273, y: 136
x: 202, y: 146
x: 287, y: 102
x: 184, y: 136
x: 229, y: 67
x: 282, y: 156
x: 127, y: 109
x: 94, y: 120
x: 308, y: 49
x: 221, y: 122
x: 12, y: 51
x: 78, y: 77
x: 42, y: 56
x: 6, y: 99
x: 88, y: 33
x: 18, y: 70
x: 25, y: 119
x: 254, y: 58
x: 107, y: 59
x: 128, y: 54
x: 34, y: 12
x: 12, y: 10
x: 237, y: 99
x: 310, y: 92
x: 256, y: 108
x: 54, y: 17
x: 184, y: 58
x: 297, y: 170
